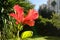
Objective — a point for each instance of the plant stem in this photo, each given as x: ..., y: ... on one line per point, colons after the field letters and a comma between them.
x: 18, y: 34
x: 19, y: 29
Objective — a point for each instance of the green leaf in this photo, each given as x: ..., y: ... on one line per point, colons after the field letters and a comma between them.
x: 26, y: 34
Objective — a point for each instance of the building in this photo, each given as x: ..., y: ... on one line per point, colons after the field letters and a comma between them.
x: 56, y: 6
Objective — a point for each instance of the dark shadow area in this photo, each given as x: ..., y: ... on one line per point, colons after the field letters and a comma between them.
x: 49, y: 29
x: 46, y: 30
x: 40, y: 29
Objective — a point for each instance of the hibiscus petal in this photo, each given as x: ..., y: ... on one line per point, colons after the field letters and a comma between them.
x: 32, y: 15
x: 30, y: 22
x: 19, y: 12
x: 13, y: 15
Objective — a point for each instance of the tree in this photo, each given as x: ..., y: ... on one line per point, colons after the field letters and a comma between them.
x: 45, y: 12
x: 53, y: 4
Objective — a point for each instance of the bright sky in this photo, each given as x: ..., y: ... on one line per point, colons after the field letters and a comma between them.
x: 37, y: 3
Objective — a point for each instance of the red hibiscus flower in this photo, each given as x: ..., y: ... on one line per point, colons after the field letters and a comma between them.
x: 20, y: 18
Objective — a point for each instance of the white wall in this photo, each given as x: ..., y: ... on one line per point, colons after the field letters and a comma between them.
x: 57, y: 6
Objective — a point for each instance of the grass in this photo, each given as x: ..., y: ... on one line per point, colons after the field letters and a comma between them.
x: 44, y: 38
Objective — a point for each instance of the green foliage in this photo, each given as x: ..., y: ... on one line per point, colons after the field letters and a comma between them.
x: 9, y: 29
x: 44, y: 38
x: 44, y: 20
x: 45, y: 26
x: 53, y: 3
x: 56, y: 20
